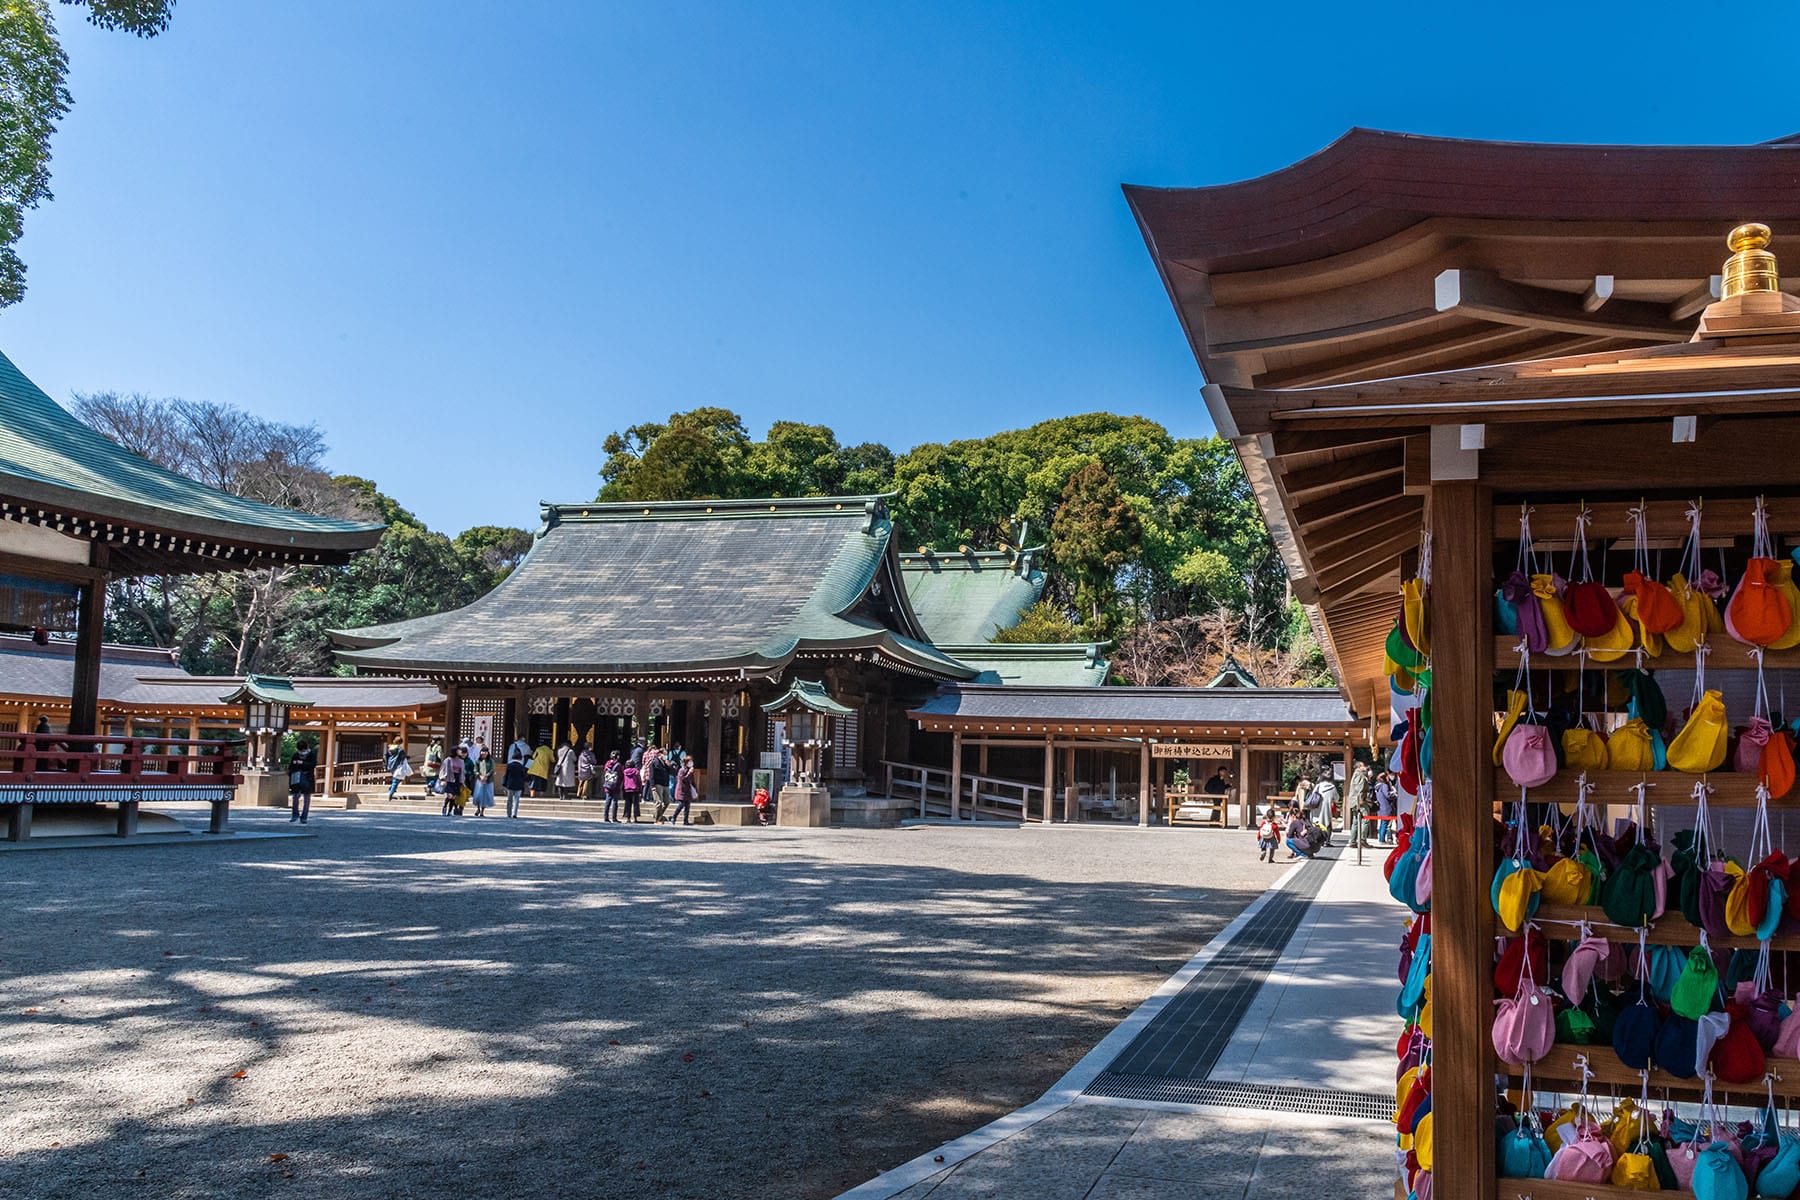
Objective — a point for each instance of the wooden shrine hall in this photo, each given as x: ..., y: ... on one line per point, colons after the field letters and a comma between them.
x: 76, y: 511
x: 1014, y: 731
x: 676, y: 622
x: 1410, y: 336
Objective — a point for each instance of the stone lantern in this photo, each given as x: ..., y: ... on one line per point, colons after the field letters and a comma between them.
x: 266, y: 701
x: 809, y: 716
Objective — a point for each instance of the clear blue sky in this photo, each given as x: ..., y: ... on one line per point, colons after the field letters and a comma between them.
x: 538, y: 222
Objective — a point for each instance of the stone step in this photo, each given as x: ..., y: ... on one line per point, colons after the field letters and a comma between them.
x: 415, y: 800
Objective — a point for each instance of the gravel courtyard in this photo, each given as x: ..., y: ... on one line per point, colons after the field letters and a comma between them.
x: 408, y: 1006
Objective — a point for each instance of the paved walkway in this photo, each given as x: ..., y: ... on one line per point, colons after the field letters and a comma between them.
x: 1261, y: 1071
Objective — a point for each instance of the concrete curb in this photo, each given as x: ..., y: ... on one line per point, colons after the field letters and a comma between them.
x: 1068, y: 1089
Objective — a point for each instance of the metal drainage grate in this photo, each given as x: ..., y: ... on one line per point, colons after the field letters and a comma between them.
x: 1255, y: 1096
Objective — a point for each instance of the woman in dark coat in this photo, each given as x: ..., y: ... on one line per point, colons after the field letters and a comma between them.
x: 514, y: 782
x: 303, y: 768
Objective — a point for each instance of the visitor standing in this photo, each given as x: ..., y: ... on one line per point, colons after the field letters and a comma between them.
x: 484, y: 780
x: 538, y: 770
x: 519, y: 751
x: 658, y: 766
x: 585, y: 762
x: 1325, y: 798
x: 566, y: 756
x: 1268, y: 836
x: 632, y: 781
x: 302, y: 767
x: 612, y: 785
x: 514, y: 781
x: 1385, y: 806
x: 450, y: 782
x: 1303, y: 793
x: 434, y: 764
x: 686, y: 792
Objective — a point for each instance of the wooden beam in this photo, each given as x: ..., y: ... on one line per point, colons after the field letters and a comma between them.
x: 1485, y: 295
x: 1386, y: 459
x: 1463, y: 846
x: 1374, y: 522
x: 1550, y: 458
x: 1350, y: 500
x: 1695, y: 299
x: 1598, y: 293
x: 1283, y: 442
x: 1385, y: 551
x: 1362, y: 581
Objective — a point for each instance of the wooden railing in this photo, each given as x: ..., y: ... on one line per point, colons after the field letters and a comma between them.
x: 366, y: 772
x: 982, y: 795
x: 64, y: 759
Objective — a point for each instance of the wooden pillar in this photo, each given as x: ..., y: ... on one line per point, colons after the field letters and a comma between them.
x: 715, y: 746
x: 1143, y: 781
x: 563, y: 730
x: 1344, y: 792
x: 1462, y: 925
x: 1049, y: 778
x: 90, y: 625
x: 956, y: 757
x: 1070, y: 813
x: 522, y: 714
x: 1247, y: 797
x: 452, y: 716
x: 504, y: 731
x: 328, y: 754
x: 982, y: 769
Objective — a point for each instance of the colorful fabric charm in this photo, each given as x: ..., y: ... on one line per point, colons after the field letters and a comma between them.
x: 1701, y: 744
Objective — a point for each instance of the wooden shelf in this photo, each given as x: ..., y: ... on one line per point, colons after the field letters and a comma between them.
x: 1553, y: 1189
x: 1672, y: 930
x: 1726, y: 655
x: 1730, y: 789
x: 1557, y: 1072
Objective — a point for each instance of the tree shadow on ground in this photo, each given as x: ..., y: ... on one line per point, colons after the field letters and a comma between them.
x: 553, y: 1012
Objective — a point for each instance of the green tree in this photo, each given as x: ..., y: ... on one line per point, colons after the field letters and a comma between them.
x: 1094, y: 532
x: 1045, y: 621
x: 34, y: 96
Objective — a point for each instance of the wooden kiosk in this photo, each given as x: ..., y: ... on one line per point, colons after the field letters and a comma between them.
x: 1598, y: 370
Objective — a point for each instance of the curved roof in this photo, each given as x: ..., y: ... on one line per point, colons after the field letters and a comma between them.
x: 58, y: 472
x: 970, y: 596
x: 682, y: 588
x: 1371, y: 183
x: 1033, y: 664
x: 1142, y: 710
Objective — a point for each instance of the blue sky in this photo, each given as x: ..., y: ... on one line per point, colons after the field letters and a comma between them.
x: 528, y: 224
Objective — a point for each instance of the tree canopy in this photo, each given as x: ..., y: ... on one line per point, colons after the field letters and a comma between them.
x: 275, y: 619
x: 34, y: 96
x: 1139, y: 526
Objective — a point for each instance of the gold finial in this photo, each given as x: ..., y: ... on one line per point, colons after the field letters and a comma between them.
x: 1751, y: 268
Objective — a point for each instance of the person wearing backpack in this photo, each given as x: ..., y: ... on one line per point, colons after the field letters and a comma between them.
x: 611, y: 786
x: 399, y: 768
x: 434, y: 764
x: 1299, y: 834
x: 302, y: 768
x: 514, y: 780
x: 1268, y: 836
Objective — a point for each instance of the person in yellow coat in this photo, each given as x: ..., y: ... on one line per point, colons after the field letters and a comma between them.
x: 539, y: 769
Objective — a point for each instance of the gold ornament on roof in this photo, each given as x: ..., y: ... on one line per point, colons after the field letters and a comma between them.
x: 1751, y: 267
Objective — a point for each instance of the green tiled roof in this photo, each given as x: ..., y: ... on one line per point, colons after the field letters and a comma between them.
x: 965, y: 597
x: 270, y: 689
x: 677, y: 588
x: 809, y: 694
x: 51, y: 460
x: 1029, y: 664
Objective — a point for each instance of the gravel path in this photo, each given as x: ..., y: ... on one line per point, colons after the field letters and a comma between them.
x: 408, y: 1005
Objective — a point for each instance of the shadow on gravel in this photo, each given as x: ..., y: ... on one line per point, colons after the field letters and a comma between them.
x: 539, y: 1012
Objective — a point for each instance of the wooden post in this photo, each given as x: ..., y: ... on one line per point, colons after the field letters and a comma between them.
x: 1246, y: 794
x: 1070, y: 813
x: 1049, y: 778
x: 715, y: 745
x: 956, y: 757
x: 452, y: 716
x: 328, y: 753
x: 1344, y: 792
x: 84, y: 702
x: 982, y: 769
x: 1143, y: 782
x: 1462, y: 925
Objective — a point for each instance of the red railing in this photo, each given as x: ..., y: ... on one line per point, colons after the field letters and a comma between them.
x: 64, y: 759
